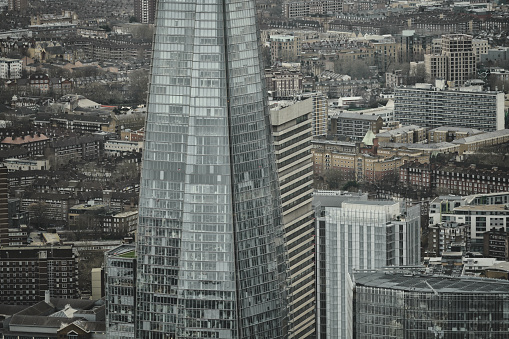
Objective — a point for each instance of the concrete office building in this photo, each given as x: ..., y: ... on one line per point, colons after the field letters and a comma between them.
x: 292, y: 127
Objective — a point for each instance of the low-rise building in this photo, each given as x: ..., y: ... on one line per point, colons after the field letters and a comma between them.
x: 354, y: 126
x: 120, y: 147
x: 450, y: 133
x: 472, y: 306
x: 453, y: 178
x: 14, y: 164
x: 407, y: 134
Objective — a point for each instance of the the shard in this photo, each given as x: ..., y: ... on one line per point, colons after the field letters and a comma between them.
x: 211, y: 256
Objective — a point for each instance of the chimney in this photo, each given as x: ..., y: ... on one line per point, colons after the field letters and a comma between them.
x: 46, y: 297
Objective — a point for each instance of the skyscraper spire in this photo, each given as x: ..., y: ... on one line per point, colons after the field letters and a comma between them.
x: 211, y: 254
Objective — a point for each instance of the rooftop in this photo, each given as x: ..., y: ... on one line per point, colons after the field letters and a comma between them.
x: 483, y: 136
x: 431, y: 283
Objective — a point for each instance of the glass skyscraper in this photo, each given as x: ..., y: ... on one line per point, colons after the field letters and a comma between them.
x: 211, y: 253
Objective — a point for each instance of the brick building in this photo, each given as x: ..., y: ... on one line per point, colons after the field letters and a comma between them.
x: 27, y: 272
x: 35, y: 144
x: 496, y: 244
x: 454, y: 179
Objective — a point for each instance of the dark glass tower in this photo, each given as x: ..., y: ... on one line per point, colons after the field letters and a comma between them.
x: 211, y: 253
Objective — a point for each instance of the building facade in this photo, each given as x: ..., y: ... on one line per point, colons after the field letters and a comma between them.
x: 120, y: 277
x: 432, y: 107
x: 211, y: 253
x: 354, y: 126
x: 359, y: 235
x: 26, y: 273
x: 10, y: 68
x: 292, y: 127
x: 144, y: 11
x: 405, y: 305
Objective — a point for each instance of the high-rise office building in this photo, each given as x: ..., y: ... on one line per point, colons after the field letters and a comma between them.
x: 144, y: 11
x: 211, y: 257
x: 359, y: 235
x: 292, y: 130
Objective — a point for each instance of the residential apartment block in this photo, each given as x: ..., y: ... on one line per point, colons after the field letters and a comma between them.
x: 301, y: 8
x: 457, y: 62
x: 432, y: 107
x: 284, y: 47
x: 496, y: 244
x: 450, y: 133
x: 10, y: 68
x: 354, y: 126
x: 453, y: 178
x: 26, y: 273
x: 407, y: 134
x: 144, y: 11
x: 443, y: 235
x: 282, y: 83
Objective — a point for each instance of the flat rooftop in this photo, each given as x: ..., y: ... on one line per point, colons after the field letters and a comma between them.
x: 431, y: 283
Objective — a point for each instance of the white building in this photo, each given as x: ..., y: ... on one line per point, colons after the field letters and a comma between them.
x: 14, y: 164
x: 119, y: 147
x: 10, y: 68
x: 359, y: 235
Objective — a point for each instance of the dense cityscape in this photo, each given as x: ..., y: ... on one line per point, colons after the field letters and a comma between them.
x: 252, y: 169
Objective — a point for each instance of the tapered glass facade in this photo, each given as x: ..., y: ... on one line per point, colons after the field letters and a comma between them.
x: 211, y: 255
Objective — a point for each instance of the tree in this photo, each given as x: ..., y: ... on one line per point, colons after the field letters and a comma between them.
x: 143, y: 32
x: 38, y: 212
x: 335, y: 178
x: 357, y: 69
x: 138, y: 86
x: 88, y: 261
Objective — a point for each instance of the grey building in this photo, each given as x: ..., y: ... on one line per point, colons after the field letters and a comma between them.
x: 406, y: 304
x: 432, y: 107
x: 354, y: 126
x: 211, y: 256
x: 120, y: 277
